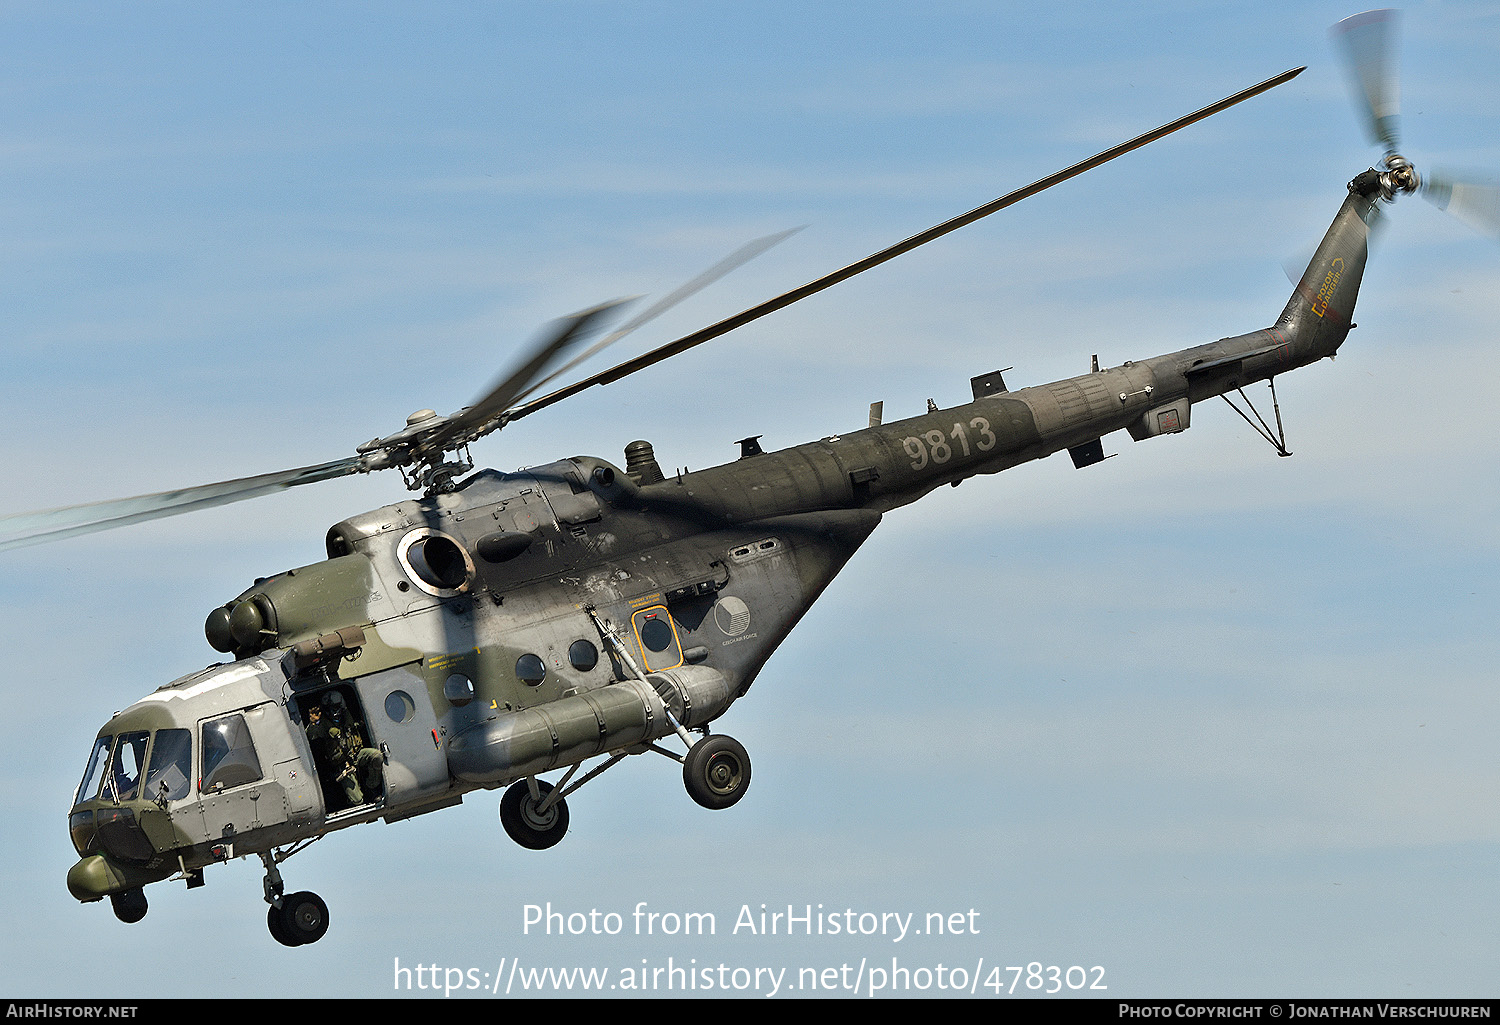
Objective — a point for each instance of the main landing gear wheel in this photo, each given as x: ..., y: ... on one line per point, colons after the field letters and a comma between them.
x: 302, y: 918
x: 716, y: 771
x: 527, y: 825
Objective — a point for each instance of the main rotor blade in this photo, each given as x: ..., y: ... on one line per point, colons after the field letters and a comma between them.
x: 1369, y: 44
x: 563, y: 334
x: 742, y: 255
x: 874, y: 260
x: 1477, y: 204
x: 22, y: 529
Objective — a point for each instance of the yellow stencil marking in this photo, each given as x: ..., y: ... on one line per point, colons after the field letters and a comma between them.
x: 1330, y: 285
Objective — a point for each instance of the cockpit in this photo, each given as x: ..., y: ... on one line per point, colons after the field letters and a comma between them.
x: 126, y: 767
x: 243, y: 759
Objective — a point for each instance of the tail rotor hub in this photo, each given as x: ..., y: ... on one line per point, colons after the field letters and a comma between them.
x: 1400, y: 176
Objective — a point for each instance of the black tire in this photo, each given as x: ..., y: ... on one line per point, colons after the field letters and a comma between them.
x: 536, y: 831
x: 716, y: 771
x: 304, y: 916
x: 278, y: 928
x: 130, y: 906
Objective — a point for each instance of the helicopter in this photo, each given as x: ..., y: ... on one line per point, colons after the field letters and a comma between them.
x: 503, y: 626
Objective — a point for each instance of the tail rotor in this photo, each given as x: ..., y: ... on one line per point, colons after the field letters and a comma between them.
x: 1368, y: 44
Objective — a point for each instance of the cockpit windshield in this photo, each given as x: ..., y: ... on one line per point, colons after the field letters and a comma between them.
x: 125, y: 765
x: 116, y: 775
x: 116, y: 764
x: 89, y: 788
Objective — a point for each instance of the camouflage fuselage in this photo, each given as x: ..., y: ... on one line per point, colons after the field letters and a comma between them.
x: 483, y: 612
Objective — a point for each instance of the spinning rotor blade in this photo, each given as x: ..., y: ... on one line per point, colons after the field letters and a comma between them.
x: 1477, y: 204
x: 486, y: 414
x: 495, y: 407
x: 1368, y: 42
x: 24, y: 529
x: 1298, y: 267
x: 744, y: 254
x: 787, y: 298
x: 563, y: 334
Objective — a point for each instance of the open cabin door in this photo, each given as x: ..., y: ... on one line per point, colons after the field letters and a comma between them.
x: 403, y: 725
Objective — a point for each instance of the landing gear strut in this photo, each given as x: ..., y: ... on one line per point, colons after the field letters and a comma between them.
x: 716, y: 770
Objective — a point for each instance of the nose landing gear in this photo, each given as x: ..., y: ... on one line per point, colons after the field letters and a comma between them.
x: 296, y: 919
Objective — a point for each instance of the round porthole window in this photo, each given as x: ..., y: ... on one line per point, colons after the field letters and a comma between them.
x: 399, y: 706
x: 531, y: 670
x: 583, y: 655
x: 458, y: 689
x: 656, y: 634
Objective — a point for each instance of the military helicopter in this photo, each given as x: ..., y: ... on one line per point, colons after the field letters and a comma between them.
x: 499, y: 627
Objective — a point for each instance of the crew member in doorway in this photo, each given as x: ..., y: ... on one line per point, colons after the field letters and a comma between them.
x: 340, y: 751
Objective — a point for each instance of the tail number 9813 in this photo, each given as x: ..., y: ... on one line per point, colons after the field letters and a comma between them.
x: 937, y: 447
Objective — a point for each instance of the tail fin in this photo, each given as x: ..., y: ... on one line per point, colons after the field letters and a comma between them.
x: 1317, y: 319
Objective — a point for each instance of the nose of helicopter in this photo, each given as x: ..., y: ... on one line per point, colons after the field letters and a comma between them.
x: 94, y: 878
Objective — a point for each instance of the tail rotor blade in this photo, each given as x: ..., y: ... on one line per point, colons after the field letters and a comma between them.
x: 1475, y: 203
x: 1368, y: 42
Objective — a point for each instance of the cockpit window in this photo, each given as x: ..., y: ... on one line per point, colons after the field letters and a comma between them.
x: 228, y: 754
x: 169, y: 775
x: 125, y: 766
x: 89, y: 788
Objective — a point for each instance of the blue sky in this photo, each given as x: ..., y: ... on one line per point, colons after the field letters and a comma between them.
x: 1218, y: 722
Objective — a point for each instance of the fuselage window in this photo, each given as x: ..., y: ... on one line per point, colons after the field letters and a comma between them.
x: 399, y: 706
x: 658, y: 638
x: 531, y: 670
x: 583, y: 655
x: 458, y: 689
x: 229, y: 757
x: 656, y: 633
x: 170, y: 773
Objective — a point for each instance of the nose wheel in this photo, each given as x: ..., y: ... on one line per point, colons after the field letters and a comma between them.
x: 293, y: 920
x: 301, y: 918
